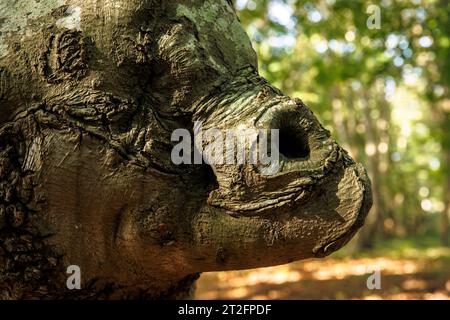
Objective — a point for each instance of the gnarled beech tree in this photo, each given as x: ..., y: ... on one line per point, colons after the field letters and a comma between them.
x: 90, y: 92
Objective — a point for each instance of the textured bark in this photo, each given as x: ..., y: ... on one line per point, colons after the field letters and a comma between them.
x: 90, y: 92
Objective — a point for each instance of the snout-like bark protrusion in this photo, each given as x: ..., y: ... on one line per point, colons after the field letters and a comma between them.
x: 311, y: 206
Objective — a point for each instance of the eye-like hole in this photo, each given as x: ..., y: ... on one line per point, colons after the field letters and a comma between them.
x: 293, y: 142
x: 293, y: 138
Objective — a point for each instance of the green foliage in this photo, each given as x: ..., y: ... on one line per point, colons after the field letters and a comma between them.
x: 382, y: 92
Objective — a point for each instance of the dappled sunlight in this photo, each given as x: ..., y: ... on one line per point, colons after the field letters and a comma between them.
x: 414, y: 284
x: 411, y: 296
x: 273, y: 275
x: 332, y: 278
x: 331, y: 269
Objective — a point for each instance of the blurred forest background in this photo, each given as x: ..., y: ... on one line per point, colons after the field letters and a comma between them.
x: 381, y: 86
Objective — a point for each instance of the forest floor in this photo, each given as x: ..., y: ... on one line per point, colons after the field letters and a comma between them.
x: 408, y: 269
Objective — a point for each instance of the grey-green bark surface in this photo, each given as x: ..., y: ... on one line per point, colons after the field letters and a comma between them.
x: 90, y: 92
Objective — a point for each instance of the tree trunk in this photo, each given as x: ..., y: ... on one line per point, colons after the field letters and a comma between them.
x: 368, y: 234
x: 445, y: 215
x: 92, y: 93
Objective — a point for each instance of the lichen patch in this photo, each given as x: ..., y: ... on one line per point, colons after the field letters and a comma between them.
x: 73, y: 19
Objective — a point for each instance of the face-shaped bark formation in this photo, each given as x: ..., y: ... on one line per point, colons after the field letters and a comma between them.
x: 90, y: 93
